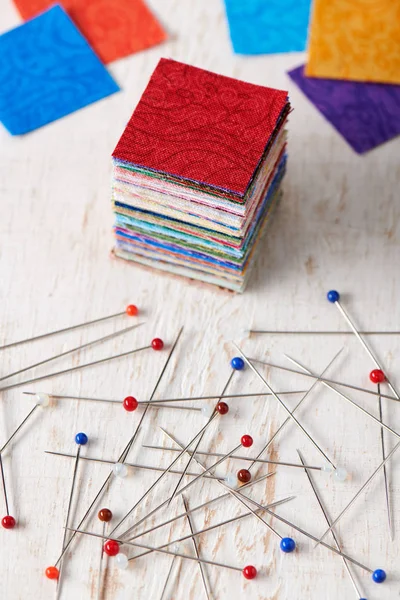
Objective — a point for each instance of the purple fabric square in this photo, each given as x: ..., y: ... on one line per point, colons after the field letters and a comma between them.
x: 366, y: 114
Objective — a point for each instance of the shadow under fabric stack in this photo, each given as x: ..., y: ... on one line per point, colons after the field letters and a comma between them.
x: 197, y: 173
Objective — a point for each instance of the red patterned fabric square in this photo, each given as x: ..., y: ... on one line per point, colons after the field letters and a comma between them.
x: 201, y: 126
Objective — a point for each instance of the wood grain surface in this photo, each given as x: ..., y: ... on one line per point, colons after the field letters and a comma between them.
x: 337, y: 227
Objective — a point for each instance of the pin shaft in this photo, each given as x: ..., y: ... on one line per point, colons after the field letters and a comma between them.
x: 299, y: 332
x: 18, y: 428
x: 64, y: 330
x: 385, y: 477
x: 196, y: 549
x: 71, y: 369
x: 111, y: 462
x: 72, y: 350
x: 168, y: 578
x: 99, y: 586
x: 71, y: 494
x: 3, y: 480
x: 238, y: 457
x: 116, y: 402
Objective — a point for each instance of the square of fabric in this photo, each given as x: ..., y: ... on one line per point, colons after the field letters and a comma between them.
x: 201, y: 126
x: 113, y: 28
x: 365, y: 114
x: 268, y: 26
x: 47, y: 70
x: 356, y: 40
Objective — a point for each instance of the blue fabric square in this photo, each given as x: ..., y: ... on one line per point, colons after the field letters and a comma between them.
x: 47, y: 70
x: 268, y: 26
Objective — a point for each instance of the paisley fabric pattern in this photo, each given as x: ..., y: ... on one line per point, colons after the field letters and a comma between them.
x: 268, y: 26
x: 366, y: 114
x: 47, y: 70
x: 201, y: 126
x: 355, y: 39
x: 114, y: 28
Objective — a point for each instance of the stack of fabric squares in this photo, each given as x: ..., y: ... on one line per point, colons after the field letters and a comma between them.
x: 197, y: 173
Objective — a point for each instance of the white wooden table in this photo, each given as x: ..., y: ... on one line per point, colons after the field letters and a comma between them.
x: 337, y: 227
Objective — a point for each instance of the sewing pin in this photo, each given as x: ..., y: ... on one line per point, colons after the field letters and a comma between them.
x: 122, y: 472
x: 322, y: 379
x: 130, y: 404
x: 220, y: 406
x: 291, y: 416
x: 238, y: 457
x: 324, y: 512
x: 111, y: 548
x: 52, y: 572
x: 8, y: 522
x: 334, y: 297
x: 104, y: 515
x: 130, y: 310
x: 78, y: 367
x: 121, y: 458
x: 378, y: 576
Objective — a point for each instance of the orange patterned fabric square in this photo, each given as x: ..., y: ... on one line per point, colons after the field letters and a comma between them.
x: 113, y: 28
x: 355, y: 39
